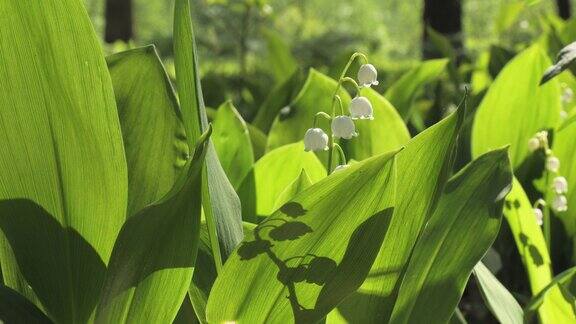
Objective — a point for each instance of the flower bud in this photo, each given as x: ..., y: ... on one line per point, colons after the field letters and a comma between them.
x: 552, y: 164
x: 367, y: 75
x: 542, y: 136
x: 343, y: 127
x: 560, y: 204
x: 539, y: 216
x: 560, y: 185
x: 315, y: 140
x: 360, y: 107
x: 533, y: 144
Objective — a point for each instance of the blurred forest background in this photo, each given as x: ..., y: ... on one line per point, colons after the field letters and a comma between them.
x: 237, y: 37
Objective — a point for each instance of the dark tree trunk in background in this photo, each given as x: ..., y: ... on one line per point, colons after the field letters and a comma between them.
x: 445, y: 17
x: 118, y: 20
x: 564, y: 9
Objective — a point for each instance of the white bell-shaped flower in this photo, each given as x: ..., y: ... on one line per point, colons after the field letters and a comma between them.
x: 560, y: 185
x: 367, y: 75
x: 539, y: 216
x: 542, y: 136
x: 341, y: 167
x: 360, y: 107
x: 533, y: 144
x: 315, y: 140
x: 343, y: 127
x: 560, y: 204
x: 552, y: 164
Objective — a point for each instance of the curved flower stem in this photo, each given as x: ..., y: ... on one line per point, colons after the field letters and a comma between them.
x: 341, y: 153
x: 353, y: 82
x: 321, y: 114
x: 546, y: 228
x: 336, y: 98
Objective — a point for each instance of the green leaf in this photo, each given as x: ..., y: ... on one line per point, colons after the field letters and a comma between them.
x: 311, y: 253
x: 258, y: 140
x: 385, y: 133
x: 15, y: 308
x: 403, y: 92
x: 272, y: 174
x: 293, y: 121
x: 154, y: 138
x: 280, y: 60
x: 423, y: 169
x: 566, y: 56
x: 61, y: 151
x: 302, y: 182
x: 499, y: 300
x: 458, y: 234
x: 220, y: 202
x: 151, y: 265
x: 553, y: 288
x: 516, y: 107
x: 232, y: 143
x: 534, y: 254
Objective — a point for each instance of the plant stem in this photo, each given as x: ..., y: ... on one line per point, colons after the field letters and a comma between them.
x: 546, y: 213
x: 211, y: 225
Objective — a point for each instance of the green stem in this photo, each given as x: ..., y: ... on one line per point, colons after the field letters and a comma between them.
x: 546, y: 214
x: 341, y: 153
x: 353, y: 82
x: 211, y: 224
x: 320, y: 114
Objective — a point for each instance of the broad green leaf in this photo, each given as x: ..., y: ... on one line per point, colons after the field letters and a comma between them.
x: 299, y: 184
x: 534, y: 253
x: 293, y: 121
x: 458, y: 234
x: 152, y: 262
x: 508, y: 15
x: 279, y: 97
x: 566, y: 56
x: 553, y: 288
x: 457, y: 317
x: 280, y: 60
x: 154, y: 138
x: 62, y: 152
x: 403, y: 92
x: 385, y: 133
x: 423, y: 169
x: 498, y: 299
x: 258, y: 140
x: 15, y: 308
x: 516, y: 107
x: 220, y: 202
x: 272, y: 174
x: 312, y: 252
x: 232, y: 142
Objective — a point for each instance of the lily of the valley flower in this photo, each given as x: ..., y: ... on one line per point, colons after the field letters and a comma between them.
x: 343, y: 127
x: 560, y: 204
x: 360, y: 107
x: 315, y: 140
x: 367, y: 75
x: 533, y: 144
x: 560, y: 185
x: 539, y: 216
x: 552, y: 164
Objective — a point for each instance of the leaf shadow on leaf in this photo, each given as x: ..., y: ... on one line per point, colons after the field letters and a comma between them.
x: 65, y: 271
x: 525, y: 239
x: 336, y: 279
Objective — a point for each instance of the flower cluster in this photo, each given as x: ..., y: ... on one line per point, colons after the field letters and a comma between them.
x: 342, y: 125
x: 554, y: 181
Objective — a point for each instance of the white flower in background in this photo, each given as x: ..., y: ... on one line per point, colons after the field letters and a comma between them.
x: 360, y: 107
x: 552, y: 164
x: 563, y: 114
x: 341, y: 167
x: 560, y: 204
x: 560, y: 185
x: 567, y: 95
x: 343, y: 127
x: 367, y: 75
x: 315, y: 140
x: 524, y: 24
x: 533, y: 144
x: 539, y: 216
x: 542, y: 136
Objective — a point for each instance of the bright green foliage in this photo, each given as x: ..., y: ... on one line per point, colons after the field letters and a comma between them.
x: 458, y: 234
x: 62, y: 152
x: 561, y: 284
x: 516, y: 107
x: 280, y: 59
x: 258, y: 141
x: 272, y: 174
x: 232, y: 143
x: 312, y: 252
x: 153, y: 258
x: 497, y: 297
x: 315, y: 96
x: 403, y: 92
x: 298, y: 185
x: 422, y: 170
x: 154, y: 138
x: 385, y: 133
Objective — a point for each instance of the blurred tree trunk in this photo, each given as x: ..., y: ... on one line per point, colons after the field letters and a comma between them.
x: 445, y: 17
x: 118, y: 20
x: 564, y: 9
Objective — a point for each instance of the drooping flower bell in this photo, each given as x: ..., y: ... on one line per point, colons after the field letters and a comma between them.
x: 343, y: 127
x: 539, y: 216
x: 552, y: 164
x: 560, y: 204
x: 315, y: 140
x: 360, y: 107
x: 367, y: 75
x: 533, y: 144
x: 560, y: 185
